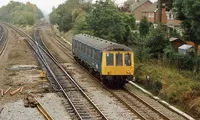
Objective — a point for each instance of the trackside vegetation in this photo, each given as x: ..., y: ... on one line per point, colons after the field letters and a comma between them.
x: 20, y: 13
x: 173, y: 76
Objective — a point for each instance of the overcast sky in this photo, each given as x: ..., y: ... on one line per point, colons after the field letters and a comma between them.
x: 46, y: 5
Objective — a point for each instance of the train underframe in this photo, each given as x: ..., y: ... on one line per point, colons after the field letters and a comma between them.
x: 114, y: 81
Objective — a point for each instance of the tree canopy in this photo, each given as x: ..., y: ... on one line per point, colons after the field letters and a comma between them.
x: 62, y: 16
x: 144, y: 27
x: 188, y: 12
x: 102, y: 19
x: 106, y: 21
x: 19, y: 13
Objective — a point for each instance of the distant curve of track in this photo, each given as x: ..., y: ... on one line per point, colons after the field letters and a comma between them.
x: 3, y: 38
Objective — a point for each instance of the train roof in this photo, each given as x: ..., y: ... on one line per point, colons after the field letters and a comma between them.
x: 99, y: 43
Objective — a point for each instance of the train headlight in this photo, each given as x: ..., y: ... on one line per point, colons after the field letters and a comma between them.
x: 128, y: 72
x: 109, y: 72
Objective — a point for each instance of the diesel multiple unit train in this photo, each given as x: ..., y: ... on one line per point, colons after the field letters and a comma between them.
x: 113, y: 62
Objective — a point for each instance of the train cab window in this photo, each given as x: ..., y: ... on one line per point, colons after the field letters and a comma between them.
x: 127, y: 59
x: 119, y: 61
x: 109, y: 59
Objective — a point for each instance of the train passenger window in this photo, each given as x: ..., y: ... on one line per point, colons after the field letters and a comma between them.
x: 109, y: 59
x: 119, y: 61
x: 82, y: 47
x: 75, y: 44
x: 78, y: 45
x: 93, y: 53
x: 96, y: 55
x: 88, y: 51
x: 127, y: 59
x: 85, y: 49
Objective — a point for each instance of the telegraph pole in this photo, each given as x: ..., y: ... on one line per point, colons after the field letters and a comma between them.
x: 159, y: 12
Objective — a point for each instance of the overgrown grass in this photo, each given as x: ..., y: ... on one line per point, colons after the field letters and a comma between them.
x: 177, y: 88
x: 67, y: 36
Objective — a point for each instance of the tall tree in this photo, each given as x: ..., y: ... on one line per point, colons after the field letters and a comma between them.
x: 188, y: 12
x: 106, y: 21
x: 156, y: 43
x: 144, y: 27
x: 63, y: 14
x: 19, y: 13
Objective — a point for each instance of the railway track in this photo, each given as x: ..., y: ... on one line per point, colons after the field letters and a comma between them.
x: 79, y: 102
x: 3, y: 38
x: 132, y: 101
x: 135, y: 104
x: 80, y: 106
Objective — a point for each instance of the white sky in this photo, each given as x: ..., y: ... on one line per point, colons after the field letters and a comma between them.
x: 46, y: 5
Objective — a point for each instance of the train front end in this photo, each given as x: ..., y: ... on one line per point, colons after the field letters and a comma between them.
x: 117, y: 67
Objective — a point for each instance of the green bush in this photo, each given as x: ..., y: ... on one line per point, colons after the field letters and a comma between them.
x: 156, y: 43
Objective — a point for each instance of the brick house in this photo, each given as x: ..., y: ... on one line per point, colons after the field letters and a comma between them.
x: 151, y: 12
x: 138, y: 7
x: 172, y: 23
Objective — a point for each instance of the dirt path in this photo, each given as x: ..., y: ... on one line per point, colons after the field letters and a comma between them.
x: 17, y: 53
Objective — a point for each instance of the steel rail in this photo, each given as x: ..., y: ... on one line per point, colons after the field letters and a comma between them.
x: 152, y: 108
x: 3, y: 39
x: 43, y: 111
x: 2, y: 32
x: 141, y: 101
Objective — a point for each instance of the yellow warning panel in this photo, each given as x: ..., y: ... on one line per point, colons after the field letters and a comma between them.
x: 42, y: 74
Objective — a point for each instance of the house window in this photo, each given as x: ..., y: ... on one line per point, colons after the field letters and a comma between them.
x: 151, y: 15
